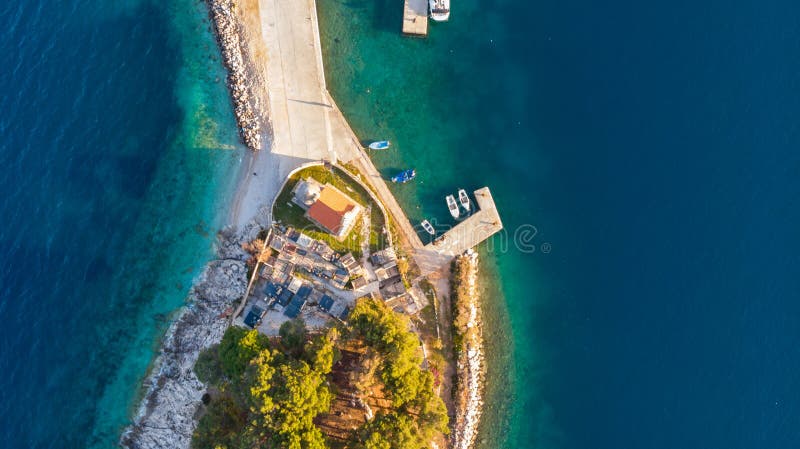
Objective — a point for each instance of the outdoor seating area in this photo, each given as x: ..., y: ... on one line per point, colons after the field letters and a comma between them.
x: 300, y: 277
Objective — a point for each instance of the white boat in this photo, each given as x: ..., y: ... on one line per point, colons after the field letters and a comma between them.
x: 464, y: 199
x: 380, y: 145
x: 453, y: 206
x: 440, y: 10
x: 428, y: 227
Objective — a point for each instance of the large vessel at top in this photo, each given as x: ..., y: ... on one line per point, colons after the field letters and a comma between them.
x: 453, y: 206
x: 440, y: 10
x: 404, y: 176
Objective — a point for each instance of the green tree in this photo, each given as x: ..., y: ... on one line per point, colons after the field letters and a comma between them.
x: 307, y: 439
x: 237, y: 348
x: 411, y: 387
x: 321, y: 351
x: 430, y: 409
x: 260, y: 381
x: 391, y: 431
x: 300, y: 394
x: 208, y: 367
x: 377, y: 441
x: 286, y: 396
x: 274, y: 396
x: 220, y: 425
x: 293, y: 336
x: 388, y: 332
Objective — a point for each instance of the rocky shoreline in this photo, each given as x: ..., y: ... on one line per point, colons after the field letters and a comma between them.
x: 232, y: 42
x: 168, y: 412
x: 470, y: 365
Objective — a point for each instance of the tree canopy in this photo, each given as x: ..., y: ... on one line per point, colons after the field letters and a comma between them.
x: 388, y: 332
x: 293, y: 335
x: 392, y: 431
x: 238, y: 347
x: 410, y: 386
x: 268, y: 394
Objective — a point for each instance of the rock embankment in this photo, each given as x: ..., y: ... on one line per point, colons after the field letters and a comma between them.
x: 470, y: 363
x: 167, y: 414
x: 233, y: 46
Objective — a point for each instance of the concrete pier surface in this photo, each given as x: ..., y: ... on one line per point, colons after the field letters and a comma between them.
x: 415, y: 17
x: 289, y: 59
x: 482, y: 224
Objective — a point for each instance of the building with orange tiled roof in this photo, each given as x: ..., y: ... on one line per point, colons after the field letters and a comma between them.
x: 327, y: 207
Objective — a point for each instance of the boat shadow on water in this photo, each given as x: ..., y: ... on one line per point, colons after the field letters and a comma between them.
x: 388, y: 172
x: 365, y: 143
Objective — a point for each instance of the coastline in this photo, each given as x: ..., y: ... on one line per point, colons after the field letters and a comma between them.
x: 470, y: 364
x: 240, y: 80
x: 166, y: 416
x: 168, y: 413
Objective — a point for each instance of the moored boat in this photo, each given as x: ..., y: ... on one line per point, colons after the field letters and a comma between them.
x: 453, y: 206
x: 440, y: 10
x: 405, y: 176
x: 464, y: 199
x: 428, y: 227
x: 379, y: 145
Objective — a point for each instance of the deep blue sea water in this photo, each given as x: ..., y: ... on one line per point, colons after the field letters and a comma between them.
x: 117, y: 149
x: 670, y: 311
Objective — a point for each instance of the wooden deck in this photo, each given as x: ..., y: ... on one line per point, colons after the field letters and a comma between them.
x: 415, y: 17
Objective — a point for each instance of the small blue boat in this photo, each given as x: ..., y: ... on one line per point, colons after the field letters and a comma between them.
x: 380, y: 145
x: 405, y: 176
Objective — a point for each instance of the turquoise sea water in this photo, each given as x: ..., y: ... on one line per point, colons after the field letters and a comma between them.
x: 119, y: 153
x: 427, y: 97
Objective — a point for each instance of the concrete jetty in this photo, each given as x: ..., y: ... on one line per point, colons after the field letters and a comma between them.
x: 476, y: 228
x: 295, y: 96
x: 415, y: 17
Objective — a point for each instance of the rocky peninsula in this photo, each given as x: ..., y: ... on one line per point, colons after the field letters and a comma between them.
x: 288, y: 114
x: 167, y: 414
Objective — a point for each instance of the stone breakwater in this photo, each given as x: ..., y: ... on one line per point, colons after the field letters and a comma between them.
x: 251, y: 119
x: 470, y: 363
x: 168, y: 413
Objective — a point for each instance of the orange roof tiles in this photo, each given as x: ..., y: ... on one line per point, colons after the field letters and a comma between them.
x: 329, y: 210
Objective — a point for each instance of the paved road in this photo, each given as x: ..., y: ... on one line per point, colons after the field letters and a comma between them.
x: 297, y: 104
x: 307, y: 125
